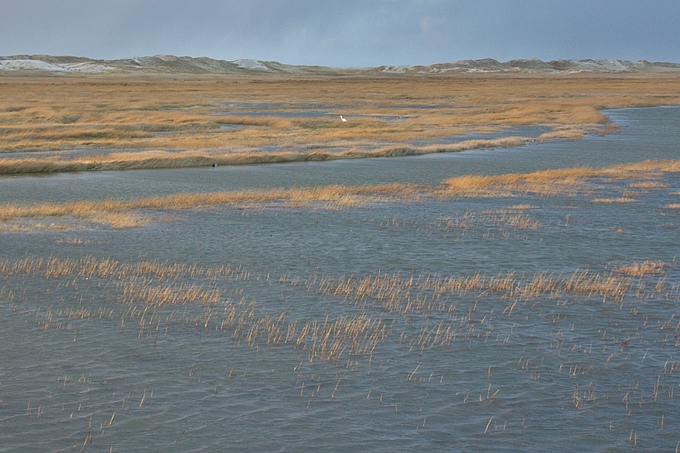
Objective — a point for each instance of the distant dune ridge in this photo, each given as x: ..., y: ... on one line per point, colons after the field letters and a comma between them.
x: 204, y: 65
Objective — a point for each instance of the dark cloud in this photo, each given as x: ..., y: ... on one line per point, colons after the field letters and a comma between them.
x: 344, y: 33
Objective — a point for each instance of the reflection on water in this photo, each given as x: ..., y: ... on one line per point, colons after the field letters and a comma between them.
x: 472, y: 324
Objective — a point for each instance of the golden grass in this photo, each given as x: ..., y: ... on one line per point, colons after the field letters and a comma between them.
x: 643, y: 268
x: 152, y: 294
x: 145, y: 287
x: 149, y: 160
x: 386, y: 115
x: 119, y: 213
x: 553, y: 182
x: 568, y: 181
x: 524, y: 182
x: 7, y: 227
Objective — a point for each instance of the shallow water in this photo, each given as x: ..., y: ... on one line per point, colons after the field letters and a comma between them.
x: 644, y: 134
x: 86, y: 367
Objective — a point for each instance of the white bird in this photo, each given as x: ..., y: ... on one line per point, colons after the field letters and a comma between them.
x: 344, y: 120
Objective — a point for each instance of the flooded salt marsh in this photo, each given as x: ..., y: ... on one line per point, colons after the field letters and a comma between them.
x: 465, y: 324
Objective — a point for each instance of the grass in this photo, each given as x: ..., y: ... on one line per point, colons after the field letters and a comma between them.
x: 574, y: 327
x: 150, y: 160
x: 585, y: 328
x: 643, y: 268
x: 174, y: 122
x: 143, y: 289
x: 151, y: 296
x: 119, y: 213
x: 501, y: 218
x: 553, y: 182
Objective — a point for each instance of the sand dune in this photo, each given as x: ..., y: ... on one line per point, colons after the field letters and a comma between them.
x: 205, y: 65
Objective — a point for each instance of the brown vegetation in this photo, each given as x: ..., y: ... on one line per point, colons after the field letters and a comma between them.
x: 120, y: 213
x: 558, y: 181
x: 181, y: 121
x: 643, y: 268
x: 150, y: 296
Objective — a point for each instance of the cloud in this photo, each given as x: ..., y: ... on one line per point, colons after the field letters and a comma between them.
x: 430, y: 26
x: 344, y: 33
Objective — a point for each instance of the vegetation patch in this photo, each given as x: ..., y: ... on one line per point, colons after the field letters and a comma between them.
x: 278, y: 117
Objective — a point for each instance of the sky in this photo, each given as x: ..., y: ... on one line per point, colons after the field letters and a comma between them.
x: 344, y: 33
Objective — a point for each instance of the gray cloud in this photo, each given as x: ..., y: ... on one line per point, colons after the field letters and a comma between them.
x: 344, y: 33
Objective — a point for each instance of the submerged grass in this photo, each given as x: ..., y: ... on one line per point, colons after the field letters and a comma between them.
x: 150, y: 296
x: 568, y: 326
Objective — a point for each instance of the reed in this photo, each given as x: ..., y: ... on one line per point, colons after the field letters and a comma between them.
x: 648, y: 185
x: 386, y: 288
x: 391, y: 321
x: 146, y: 288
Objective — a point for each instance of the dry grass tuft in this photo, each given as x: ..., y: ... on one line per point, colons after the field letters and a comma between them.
x: 560, y: 181
x: 642, y: 269
x: 542, y: 182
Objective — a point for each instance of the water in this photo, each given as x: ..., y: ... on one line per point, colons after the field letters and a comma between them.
x: 84, y: 367
x: 644, y: 134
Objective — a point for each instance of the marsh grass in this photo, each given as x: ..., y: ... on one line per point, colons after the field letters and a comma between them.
x: 500, y: 218
x: 644, y: 268
x: 20, y: 226
x: 153, y: 296
x: 571, y: 328
x: 150, y: 160
x: 565, y: 181
x: 145, y: 289
x: 119, y: 213
x: 385, y: 115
